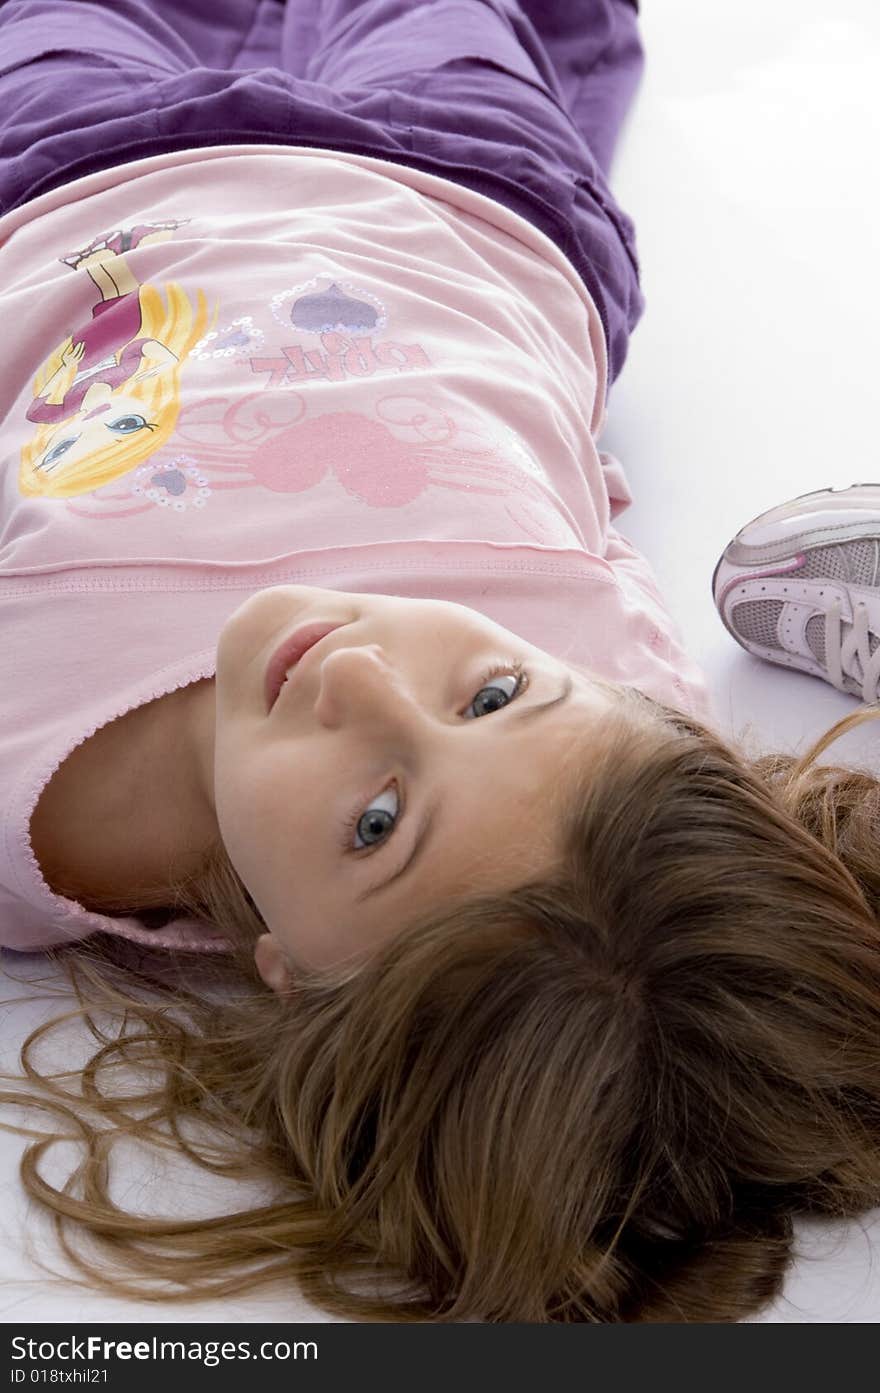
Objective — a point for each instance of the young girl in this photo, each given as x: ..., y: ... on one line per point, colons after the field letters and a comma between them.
x: 348, y: 746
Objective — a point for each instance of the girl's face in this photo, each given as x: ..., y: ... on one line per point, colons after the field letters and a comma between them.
x: 103, y: 418
x: 391, y: 773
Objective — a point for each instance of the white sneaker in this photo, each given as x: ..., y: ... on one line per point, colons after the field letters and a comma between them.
x: 799, y: 585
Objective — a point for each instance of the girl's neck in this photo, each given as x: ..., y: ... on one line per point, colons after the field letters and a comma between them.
x: 131, y: 808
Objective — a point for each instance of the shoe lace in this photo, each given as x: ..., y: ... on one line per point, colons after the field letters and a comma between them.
x: 852, y: 654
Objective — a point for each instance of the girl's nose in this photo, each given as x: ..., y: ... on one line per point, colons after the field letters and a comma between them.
x: 358, y: 684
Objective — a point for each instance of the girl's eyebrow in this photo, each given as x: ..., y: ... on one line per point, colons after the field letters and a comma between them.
x: 420, y: 841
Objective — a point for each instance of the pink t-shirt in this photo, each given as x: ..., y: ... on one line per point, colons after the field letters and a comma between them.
x: 322, y: 369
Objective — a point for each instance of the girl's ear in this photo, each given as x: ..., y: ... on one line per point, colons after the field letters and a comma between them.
x: 271, y: 965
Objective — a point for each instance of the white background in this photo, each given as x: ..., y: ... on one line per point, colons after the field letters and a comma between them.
x: 749, y: 164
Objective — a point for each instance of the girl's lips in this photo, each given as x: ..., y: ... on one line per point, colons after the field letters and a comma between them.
x: 290, y: 651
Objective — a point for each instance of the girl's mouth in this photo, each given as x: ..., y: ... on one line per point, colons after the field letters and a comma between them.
x: 289, y: 653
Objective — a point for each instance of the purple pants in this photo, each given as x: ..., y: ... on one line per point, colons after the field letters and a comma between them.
x: 521, y: 100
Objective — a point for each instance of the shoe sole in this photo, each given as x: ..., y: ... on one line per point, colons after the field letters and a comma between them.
x: 740, y: 553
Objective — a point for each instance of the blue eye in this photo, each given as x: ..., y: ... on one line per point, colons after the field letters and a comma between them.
x: 58, y: 450
x: 127, y: 424
x: 380, y: 819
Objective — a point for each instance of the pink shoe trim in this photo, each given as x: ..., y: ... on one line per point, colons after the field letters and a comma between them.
x: 792, y: 565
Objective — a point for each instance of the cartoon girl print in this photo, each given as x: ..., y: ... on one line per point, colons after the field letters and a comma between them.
x: 109, y: 395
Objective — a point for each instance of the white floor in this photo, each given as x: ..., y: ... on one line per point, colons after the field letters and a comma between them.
x: 748, y: 165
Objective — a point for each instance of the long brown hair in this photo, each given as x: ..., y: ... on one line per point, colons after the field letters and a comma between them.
x: 603, y: 1096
